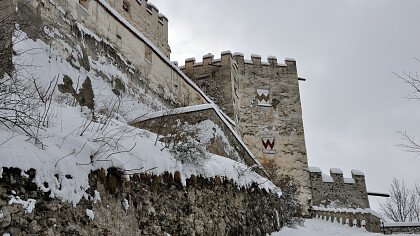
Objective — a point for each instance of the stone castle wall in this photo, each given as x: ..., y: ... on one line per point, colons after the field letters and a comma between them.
x: 148, y: 64
x: 348, y: 192
x: 6, y: 29
x: 263, y: 98
x: 164, y: 125
x: 145, y: 205
x: 147, y: 19
x: 353, y: 218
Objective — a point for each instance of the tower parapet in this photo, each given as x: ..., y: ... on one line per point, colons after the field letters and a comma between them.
x: 338, y: 191
x: 263, y: 98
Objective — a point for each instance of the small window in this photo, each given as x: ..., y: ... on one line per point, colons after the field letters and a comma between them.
x: 126, y: 6
x: 148, y: 54
x: 84, y: 3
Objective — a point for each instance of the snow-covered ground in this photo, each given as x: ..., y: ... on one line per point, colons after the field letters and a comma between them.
x: 315, y: 227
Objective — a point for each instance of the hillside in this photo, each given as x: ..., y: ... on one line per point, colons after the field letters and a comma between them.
x: 61, y: 142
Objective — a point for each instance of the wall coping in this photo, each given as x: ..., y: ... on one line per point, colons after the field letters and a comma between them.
x: 401, y: 224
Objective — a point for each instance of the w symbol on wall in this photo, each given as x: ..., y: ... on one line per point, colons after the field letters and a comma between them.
x: 263, y: 97
x: 268, y: 143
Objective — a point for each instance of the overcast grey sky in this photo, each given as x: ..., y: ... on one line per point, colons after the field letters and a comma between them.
x: 347, y: 50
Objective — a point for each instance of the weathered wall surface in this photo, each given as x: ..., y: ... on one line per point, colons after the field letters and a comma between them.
x: 270, y: 123
x: 350, y: 192
x: 146, y: 205
x: 214, y: 78
x: 167, y: 124
x: 414, y: 229
x: 6, y: 28
x: 148, y: 65
x: 147, y: 19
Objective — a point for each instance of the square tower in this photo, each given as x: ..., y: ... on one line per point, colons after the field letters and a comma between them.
x: 264, y: 101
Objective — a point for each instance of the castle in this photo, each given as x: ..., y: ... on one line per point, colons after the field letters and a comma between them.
x: 260, y: 100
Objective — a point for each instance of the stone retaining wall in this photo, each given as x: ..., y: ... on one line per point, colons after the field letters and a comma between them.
x: 405, y: 227
x: 146, y: 205
x: 164, y: 126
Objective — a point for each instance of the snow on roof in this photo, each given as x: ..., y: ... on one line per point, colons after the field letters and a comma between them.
x: 152, y: 5
x: 162, y: 16
x: 327, y: 179
x: 247, y: 61
x: 208, y: 55
x: 190, y: 59
x: 238, y: 54
x: 314, y: 169
x: 226, y: 52
x: 265, y: 63
x: 173, y: 112
x: 289, y: 59
x: 349, y: 181
x: 357, y: 172
x: 402, y: 224
x: 336, y: 171
x: 272, y: 58
x: 255, y: 56
x: 153, y: 47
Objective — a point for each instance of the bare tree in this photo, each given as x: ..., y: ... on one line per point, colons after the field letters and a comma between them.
x: 400, y: 207
x: 24, y: 104
x: 410, y: 144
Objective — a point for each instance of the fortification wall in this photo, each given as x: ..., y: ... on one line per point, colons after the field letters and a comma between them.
x: 147, y: 19
x: 165, y: 125
x: 263, y: 98
x: 214, y: 77
x: 335, y: 189
x: 149, y: 65
x: 145, y: 205
x: 352, y: 217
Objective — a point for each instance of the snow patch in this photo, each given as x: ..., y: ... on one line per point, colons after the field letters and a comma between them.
x: 90, y: 214
x: 125, y: 204
x: 28, y: 205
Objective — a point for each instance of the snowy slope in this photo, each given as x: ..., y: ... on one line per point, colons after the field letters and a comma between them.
x: 73, y: 143
x: 315, y: 227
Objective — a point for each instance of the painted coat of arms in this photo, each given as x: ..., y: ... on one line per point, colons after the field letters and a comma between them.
x: 268, y: 140
x: 263, y: 97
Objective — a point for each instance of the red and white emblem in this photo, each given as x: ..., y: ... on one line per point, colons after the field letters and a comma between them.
x: 268, y: 140
x: 263, y: 97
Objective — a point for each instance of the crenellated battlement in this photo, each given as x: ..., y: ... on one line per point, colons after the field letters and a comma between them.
x: 239, y: 58
x: 262, y: 97
x: 147, y: 19
x: 334, y: 187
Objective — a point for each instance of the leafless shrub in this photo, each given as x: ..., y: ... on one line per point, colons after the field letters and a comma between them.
x: 184, y: 146
x: 403, y: 204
